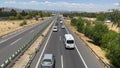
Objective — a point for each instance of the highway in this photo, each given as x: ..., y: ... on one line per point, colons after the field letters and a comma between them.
x: 12, y: 42
x: 80, y: 57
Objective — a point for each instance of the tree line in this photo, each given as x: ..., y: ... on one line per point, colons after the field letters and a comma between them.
x: 13, y: 14
x: 107, y: 39
x: 113, y: 15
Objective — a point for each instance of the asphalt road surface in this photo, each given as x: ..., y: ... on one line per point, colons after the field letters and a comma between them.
x: 80, y: 57
x: 12, y: 42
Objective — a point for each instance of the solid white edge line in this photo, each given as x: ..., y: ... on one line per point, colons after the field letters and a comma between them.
x: 79, y: 53
x: 15, y: 41
x: 36, y: 66
x: 60, y: 38
x: 62, y: 61
x: 81, y: 57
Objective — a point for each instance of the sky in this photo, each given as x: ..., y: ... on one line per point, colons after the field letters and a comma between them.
x: 66, y: 5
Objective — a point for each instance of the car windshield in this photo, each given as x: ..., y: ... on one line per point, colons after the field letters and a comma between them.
x: 47, y: 62
x: 70, y: 41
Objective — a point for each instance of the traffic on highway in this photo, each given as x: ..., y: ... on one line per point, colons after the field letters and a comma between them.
x: 63, y: 49
x: 59, y: 34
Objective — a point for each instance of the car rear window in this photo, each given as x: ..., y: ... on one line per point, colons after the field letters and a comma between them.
x: 70, y: 41
x: 47, y: 62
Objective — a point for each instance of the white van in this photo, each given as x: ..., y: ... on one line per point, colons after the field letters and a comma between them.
x: 69, y: 41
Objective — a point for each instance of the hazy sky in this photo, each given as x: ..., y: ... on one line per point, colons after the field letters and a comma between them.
x: 70, y: 5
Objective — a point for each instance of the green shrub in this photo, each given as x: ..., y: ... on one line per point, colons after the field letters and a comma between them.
x: 80, y: 25
x: 27, y: 17
x: 12, y: 17
x: 107, y: 38
x: 113, y: 51
x: 99, y: 30
x: 19, y: 16
x: 88, y: 31
x: 23, y: 23
x: 74, y: 22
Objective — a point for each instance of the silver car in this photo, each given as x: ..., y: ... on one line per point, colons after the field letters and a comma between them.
x: 48, y: 61
x: 55, y: 29
x: 63, y: 26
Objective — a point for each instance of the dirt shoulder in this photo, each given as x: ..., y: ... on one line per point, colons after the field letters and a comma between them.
x: 24, y: 59
x: 9, y: 26
x: 94, y: 47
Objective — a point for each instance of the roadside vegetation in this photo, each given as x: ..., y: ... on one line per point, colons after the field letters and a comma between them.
x: 107, y: 39
x: 23, y: 23
x: 12, y: 19
x: 14, y: 15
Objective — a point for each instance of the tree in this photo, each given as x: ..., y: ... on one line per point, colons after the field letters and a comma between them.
x: 1, y: 9
x: 107, y: 38
x: 23, y: 13
x: 13, y: 11
x: 19, y: 16
x: 74, y: 22
x: 80, y: 25
x: 99, y: 29
x: 101, y: 17
x: 115, y: 17
x: 88, y: 30
x: 114, y: 52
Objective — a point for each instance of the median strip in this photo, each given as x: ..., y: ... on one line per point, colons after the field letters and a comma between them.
x: 26, y: 57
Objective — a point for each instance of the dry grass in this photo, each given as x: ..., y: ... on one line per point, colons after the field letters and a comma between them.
x: 13, y: 25
x: 112, y: 27
x: 95, y: 48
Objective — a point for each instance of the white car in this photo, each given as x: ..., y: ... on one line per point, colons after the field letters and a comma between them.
x: 61, y: 22
x: 63, y: 26
x: 55, y: 29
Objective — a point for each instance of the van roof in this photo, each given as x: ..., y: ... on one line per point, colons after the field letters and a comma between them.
x: 48, y: 56
x: 69, y: 37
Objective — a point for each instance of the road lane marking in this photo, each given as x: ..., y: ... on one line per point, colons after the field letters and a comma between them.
x: 43, y: 50
x: 14, y: 35
x: 15, y: 41
x: 31, y: 31
x: 81, y: 57
x: 79, y: 53
x: 62, y: 61
x: 67, y: 30
x: 60, y: 38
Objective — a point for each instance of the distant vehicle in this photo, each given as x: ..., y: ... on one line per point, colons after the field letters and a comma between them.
x: 69, y: 41
x: 61, y: 22
x: 63, y: 26
x: 48, y: 61
x: 108, y: 21
x: 55, y: 29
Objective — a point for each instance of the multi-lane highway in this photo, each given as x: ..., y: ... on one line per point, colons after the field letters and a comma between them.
x: 80, y: 57
x: 12, y: 42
